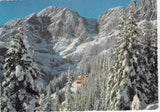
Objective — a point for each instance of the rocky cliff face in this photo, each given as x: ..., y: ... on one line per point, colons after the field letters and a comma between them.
x: 146, y: 9
x: 109, y: 19
x: 68, y: 24
x: 143, y: 10
x: 62, y: 38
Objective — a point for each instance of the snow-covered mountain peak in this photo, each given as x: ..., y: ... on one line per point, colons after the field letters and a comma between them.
x: 133, y: 4
x: 47, y: 11
x: 32, y: 19
x: 109, y: 19
x: 67, y: 23
x: 62, y: 38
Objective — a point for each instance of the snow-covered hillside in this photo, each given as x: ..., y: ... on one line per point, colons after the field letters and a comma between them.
x: 75, y: 86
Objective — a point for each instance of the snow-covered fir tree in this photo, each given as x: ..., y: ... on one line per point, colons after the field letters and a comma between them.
x: 91, y: 94
x: 19, y: 91
x: 102, y: 91
x: 118, y: 82
x: 154, y: 64
x: 89, y: 102
x: 150, y: 61
x: 77, y: 99
x: 57, y: 100
x: 69, y: 98
x: 45, y: 102
x: 97, y: 94
x: 129, y: 74
x: 84, y: 94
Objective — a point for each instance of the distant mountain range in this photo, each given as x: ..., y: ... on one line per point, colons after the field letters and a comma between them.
x: 61, y: 38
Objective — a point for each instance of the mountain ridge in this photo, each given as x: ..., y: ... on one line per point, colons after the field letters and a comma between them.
x: 61, y: 38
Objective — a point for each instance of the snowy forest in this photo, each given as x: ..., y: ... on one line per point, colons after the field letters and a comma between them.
x: 123, y: 78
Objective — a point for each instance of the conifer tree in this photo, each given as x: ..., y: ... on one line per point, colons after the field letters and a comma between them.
x: 150, y: 54
x: 114, y: 83
x: 128, y: 74
x: 90, y: 103
x: 69, y: 99
x: 77, y: 100
x: 155, y: 55
x: 57, y: 100
x: 97, y: 94
x: 150, y: 61
x: 45, y: 102
x: 19, y: 91
x: 102, y: 92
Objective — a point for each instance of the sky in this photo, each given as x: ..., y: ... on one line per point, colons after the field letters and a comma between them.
x: 11, y: 9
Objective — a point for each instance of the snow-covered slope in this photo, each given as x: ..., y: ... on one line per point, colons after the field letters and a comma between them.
x: 143, y: 10
x: 61, y: 38
x: 75, y: 86
x: 50, y: 34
